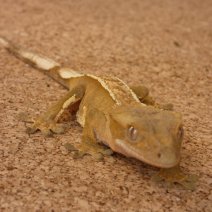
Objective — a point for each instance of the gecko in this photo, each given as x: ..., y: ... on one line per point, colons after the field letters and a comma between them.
x: 115, y: 117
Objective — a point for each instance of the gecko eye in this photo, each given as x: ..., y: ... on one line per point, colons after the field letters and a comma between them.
x: 133, y: 133
x: 180, y: 132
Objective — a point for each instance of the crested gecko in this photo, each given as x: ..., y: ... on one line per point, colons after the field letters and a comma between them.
x: 125, y: 119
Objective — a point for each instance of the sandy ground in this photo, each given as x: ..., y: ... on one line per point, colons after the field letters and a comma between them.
x: 166, y: 45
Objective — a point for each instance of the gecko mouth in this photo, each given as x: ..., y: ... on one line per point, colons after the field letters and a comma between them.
x: 130, y: 151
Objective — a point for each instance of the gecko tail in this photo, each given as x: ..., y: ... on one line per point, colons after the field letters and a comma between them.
x: 44, y: 64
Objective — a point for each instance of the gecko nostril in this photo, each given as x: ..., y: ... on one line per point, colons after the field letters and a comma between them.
x: 159, y: 155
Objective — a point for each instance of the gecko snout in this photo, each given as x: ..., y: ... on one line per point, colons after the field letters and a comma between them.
x: 167, y: 157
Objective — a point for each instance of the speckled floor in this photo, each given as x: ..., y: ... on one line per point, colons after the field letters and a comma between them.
x: 166, y: 45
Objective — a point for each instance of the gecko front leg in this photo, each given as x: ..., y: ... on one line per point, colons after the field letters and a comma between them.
x: 49, y: 122
x: 176, y: 175
x: 90, y: 145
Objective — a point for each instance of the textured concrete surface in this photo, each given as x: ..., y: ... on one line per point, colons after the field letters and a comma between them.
x: 166, y: 45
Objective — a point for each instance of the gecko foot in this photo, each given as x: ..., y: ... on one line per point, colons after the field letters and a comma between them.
x: 176, y: 175
x: 47, y: 128
x: 97, y: 151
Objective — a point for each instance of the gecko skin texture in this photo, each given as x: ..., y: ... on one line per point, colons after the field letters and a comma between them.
x: 124, y: 118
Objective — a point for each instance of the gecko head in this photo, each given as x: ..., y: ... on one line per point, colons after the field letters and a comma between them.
x: 148, y: 134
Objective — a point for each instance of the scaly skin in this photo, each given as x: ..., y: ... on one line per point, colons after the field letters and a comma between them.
x: 125, y: 119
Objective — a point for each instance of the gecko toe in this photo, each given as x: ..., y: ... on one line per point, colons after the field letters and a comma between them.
x: 70, y: 148
x: 79, y: 154
x: 107, y: 152
x: 190, y: 182
x: 58, y: 128
x: 98, y: 157
x: 31, y: 130
x: 47, y: 128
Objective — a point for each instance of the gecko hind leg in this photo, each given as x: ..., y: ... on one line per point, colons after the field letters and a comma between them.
x: 50, y: 122
x: 142, y: 93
